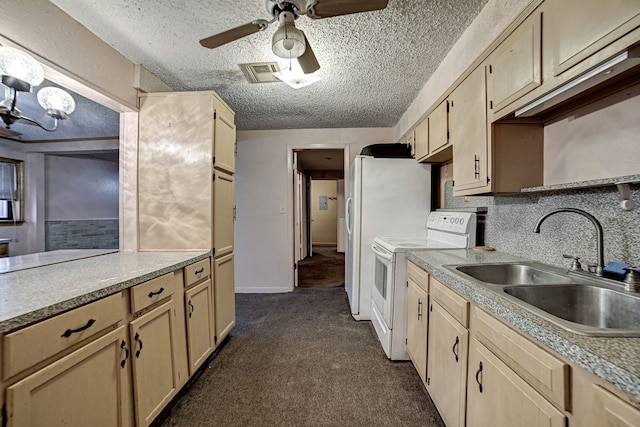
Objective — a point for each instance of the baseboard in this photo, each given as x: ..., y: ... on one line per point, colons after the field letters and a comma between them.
x: 262, y: 290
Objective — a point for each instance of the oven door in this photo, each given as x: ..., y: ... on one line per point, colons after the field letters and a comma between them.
x: 383, y: 278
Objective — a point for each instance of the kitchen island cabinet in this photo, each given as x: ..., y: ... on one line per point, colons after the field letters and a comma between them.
x: 115, y: 351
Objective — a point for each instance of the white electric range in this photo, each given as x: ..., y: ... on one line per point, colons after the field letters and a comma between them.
x: 445, y: 230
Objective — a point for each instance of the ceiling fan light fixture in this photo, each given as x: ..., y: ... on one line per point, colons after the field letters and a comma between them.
x: 296, y: 79
x: 288, y: 42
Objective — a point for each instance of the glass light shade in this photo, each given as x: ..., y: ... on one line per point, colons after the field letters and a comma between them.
x: 56, y: 100
x: 288, y: 41
x: 296, y: 78
x: 20, y: 65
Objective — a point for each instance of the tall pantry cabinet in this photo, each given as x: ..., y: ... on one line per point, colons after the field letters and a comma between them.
x: 185, y: 185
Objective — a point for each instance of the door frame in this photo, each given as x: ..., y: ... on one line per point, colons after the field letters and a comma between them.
x: 292, y: 191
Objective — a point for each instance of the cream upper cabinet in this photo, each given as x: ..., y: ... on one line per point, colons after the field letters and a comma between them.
x: 421, y: 139
x: 224, y: 156
x: 439, y: 132
x: 223, y: 213
x: 576, y: 29
x: 183, y: 136
x: 447, y: 364
x: 514, y: 68
x: 89, y: 387
x: 498, y: 397
x: 468, y: 131
x: 417, y: 321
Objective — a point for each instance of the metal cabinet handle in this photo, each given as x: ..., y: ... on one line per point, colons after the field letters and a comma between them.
x: 158, y: 292
x: 68, y: 332
x: 123, y: 346
x: 455, y: 353
x: 479, y: 377
x: 192, y: 309
x: 198, y: 272
x: 137, y: 339
x: 419, y: 309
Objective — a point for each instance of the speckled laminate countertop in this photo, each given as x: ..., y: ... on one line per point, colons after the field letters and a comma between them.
x: 34, y: 294
x: 23, y: 262
x: 616, y: 360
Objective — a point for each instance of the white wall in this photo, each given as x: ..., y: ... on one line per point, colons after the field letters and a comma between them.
x: 80, y: 188
x: 324, y: 223
x: 263, y: 235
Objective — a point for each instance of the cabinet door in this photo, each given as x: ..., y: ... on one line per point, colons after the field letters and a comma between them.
x: 576, y: 29
x: 89, y: 387
x: 498, y: 397
x: 421, y: 135
x: 417, y: 322
x: 224, y: 141
x: 200, y: 331
x: 610, y: 410
x: 224, y: 296
x: 439, y: 127
x: 468, y: 131
x: 153, y: 358
x: 515, y: 65
x: 223, y: 206
x: 447, y: 365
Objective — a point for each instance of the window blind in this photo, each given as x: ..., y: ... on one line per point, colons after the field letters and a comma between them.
x: 7, y: 181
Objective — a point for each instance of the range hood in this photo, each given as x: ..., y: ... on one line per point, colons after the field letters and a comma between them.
x: 595, y: 76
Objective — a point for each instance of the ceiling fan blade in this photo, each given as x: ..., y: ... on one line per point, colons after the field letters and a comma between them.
x: 8, y: 133
x: 329, y: 8
x: 234, y: 34
x: 307, y: 60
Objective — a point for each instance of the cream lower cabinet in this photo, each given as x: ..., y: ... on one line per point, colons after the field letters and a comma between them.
x: 224, y: 296
x: 417, y: 317
x: 200, y: 328
x: 154, y: 361
x: 88, y: 387
x: 498, y: 397
x: 447, y: 364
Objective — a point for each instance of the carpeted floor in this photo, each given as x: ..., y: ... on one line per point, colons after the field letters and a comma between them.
x: 299, y: 359
x: 324, y: 269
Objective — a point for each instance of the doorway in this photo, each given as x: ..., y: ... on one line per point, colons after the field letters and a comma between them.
x: 319, y: 217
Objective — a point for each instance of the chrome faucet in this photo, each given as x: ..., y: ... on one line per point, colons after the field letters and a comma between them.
x: 596, y: 223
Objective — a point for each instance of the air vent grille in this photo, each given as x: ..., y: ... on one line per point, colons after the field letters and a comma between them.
x: 260, y: 72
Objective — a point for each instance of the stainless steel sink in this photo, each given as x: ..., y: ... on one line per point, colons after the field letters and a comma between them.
x: 511, y: 274
x: 580, y: 303
x: 584, y: 304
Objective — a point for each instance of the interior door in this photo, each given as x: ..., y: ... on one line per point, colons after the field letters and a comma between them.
x: 297, y: 218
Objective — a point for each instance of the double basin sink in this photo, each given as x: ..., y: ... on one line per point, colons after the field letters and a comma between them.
x: 580, y: 304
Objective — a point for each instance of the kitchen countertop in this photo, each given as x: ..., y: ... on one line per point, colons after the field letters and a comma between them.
x: 616, y: 360
x: 34, y: 294
x: 23, y: 262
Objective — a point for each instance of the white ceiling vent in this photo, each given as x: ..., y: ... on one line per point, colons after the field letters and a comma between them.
x: 260, y: 72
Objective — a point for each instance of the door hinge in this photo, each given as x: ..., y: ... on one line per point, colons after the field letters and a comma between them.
x: 234, y: 213
x: 214, y: 160
x: 491, y: 105
x: 406, y: 341
x: 235, y: 149
x: 488, y: 180
x: 215, y: 338
x: 407, y: 283
x: 295, y: 266
x: 215, y: 115
x: 453, y: 183
x: 490, y: 69
x: 448, y: 134
x: 448, y: 106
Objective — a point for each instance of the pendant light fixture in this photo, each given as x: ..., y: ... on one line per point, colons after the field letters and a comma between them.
x: 20, y: 73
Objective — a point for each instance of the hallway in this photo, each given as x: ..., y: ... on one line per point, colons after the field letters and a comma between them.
x: 324, y: 269
x: 299, y: 359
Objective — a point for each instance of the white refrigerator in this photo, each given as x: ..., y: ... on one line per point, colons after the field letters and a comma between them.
x: 388, y: 197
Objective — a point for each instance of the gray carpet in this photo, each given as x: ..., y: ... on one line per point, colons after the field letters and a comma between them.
x: 299, y: 359
x: 324, y: 268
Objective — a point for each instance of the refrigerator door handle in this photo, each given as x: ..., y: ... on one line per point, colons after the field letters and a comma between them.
x: 347, y: 214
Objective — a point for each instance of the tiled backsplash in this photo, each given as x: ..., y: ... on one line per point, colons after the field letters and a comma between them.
x: 510, y: 221
x: 82, y: 234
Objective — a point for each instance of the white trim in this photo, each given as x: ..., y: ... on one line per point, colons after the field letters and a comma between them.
x: 291, y: 188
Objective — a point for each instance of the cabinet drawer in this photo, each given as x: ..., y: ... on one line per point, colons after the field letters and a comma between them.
x: 28, y: 346
x: 418, y: 275
x: 148, y: 293
x: 544, y: 372
x: 195, y: 272
x: 457, y: 306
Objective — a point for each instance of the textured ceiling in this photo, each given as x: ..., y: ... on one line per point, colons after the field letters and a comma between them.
x: 373, y: 64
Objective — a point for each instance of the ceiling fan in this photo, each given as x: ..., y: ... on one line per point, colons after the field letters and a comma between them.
x: 288, y: 41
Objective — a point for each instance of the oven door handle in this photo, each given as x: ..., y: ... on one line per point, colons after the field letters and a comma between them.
x: 378, y: 252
